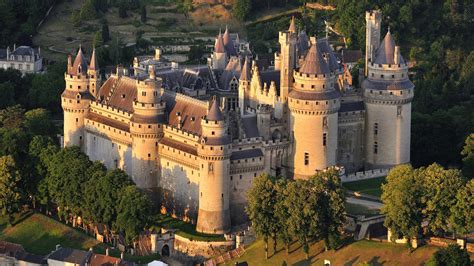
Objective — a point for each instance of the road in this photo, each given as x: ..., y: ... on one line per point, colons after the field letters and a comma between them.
x: 367, y: 203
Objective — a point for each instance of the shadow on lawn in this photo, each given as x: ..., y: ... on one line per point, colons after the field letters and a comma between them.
x: 351, y: 262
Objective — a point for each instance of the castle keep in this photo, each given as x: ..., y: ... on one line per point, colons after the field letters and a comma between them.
x: 198, y: 136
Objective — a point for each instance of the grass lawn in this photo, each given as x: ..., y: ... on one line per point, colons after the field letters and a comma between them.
x: 370, y: 186
x: 39, y: 234
x: 375, y: 253
x: 357, y: 209
x: 185, y: 229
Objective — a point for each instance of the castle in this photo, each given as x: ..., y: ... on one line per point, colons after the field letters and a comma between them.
x: 198, y: 136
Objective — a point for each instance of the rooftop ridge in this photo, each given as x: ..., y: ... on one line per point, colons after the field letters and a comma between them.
x: 184, y: 97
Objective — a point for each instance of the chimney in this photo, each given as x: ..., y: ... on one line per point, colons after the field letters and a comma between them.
x: 58, y: 247
x: 174, y: 65
x: 107, y: 252
x: 14, y: 46
x: 151, y: 70
x: 180, y: 121
x: 121, y: 255
x: 119, y: 70
x: 39, y: 50
x: 8, y: 53
x: 396, y: 55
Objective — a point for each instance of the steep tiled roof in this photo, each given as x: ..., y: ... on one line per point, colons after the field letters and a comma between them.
x: 314, y: 95
x: 215, y: 113
x: 351, y: 56
x: 292, y: 27
x: 122, y: 96
x: 109, y: 122
x: 314, y: 63
x: 245, y: 73
x: 179, y: 145
x: 324, y: 47
x: 10, y: 249
x: 219, y: 45
x: 190, y: 111
x: 387, y: 85
x: 79, y: 61
x: 94, y: 65
x: 385, y: 52
x: 229, y: 43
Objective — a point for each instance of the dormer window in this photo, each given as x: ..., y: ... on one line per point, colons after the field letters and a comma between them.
x: 123, y: 96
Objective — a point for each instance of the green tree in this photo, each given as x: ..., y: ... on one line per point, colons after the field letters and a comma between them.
x: 241, y: 9
x: 38, y: 122
x: 122, y: 9
x: 196, y: 52
x: 331, y: 202
x: 261, y: 201
x: 282, y: 213
x: 98, y: 41
x: 105, y: 31
x: 401, y: 197
x: 438, y: 197
x: 302, y: 202
x: 88, y: 11
x: 75, y: 18
x: 10, y: 193
x: 143, y: 13
x: 8, y: 95
x: 452, y: 255
x: 67, y: 174
x: 468, y: 156
x: 462, y: 213
x: 132, y: 212
x: 12, y: 117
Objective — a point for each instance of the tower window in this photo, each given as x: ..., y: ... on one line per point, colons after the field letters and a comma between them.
x: 325, y: 121
x: 79, y: 87
x: 399, y: 110
x: 306, y: 158
x: 149, y: 155
x: 324, y: 139
x: 381, y: 76
x: 376, y: 129
x: 143, y: 93
x: 376, y: 147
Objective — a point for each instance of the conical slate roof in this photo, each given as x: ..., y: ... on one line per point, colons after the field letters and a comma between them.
x: 215, y: 113
x: 314, y: 63
x: 303, y: 42
x: 93, y: 65
x: 79, y: 61
x: 292, y: 27
x: 226, y: 36
x: 386, y: 51
x: 245, y: 73
x: 219, y: 45
x: 228, y: 43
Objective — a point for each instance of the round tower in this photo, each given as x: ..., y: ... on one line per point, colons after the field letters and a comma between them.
x: 314, y: 104
x: 146, y: 130
x: 214, y: 152
x: 387, y: 95
x: 75, y: 100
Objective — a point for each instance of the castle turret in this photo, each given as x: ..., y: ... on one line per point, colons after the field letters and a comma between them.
x: 214, y: 152
x: 75, y: 100
x: 314, y: 103
x: 387, y: 95
x: 244, y: 86
x: 146, y: 130
x: 94, y: 75
x: 219, y: 56
x: 287, y: 58
x: 373, y: 21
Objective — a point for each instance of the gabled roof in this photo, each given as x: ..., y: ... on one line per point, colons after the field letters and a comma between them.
x: 385, y: 52
x: 215, y: 113
x: 71, y: 255
x: 314, y: 63
x: 79, y: 61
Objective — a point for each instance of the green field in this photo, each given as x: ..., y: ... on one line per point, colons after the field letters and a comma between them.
x: 39, y: 234
x: 357, y: 209
x: 375, y: 253
x: 371, y: 187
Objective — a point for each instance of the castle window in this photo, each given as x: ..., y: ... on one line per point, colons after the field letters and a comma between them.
x: 403, y: 75
x: 149, y: 126
x: 77, y: 120
x: 376, y: 147
x: 324, y: 139
x: 324, y: 86
x: 393, y: 76
x: 155, y: 93
x: 79, y: 87
x: 240, y: 176
x: 376, y: 128
x: 399, y: 110
x: 113, y: 145
x: 212, y: 148
x: 156, y: 144
x: 325, y: 121
x: 213, y: 133
x: 312, y: 86
x: 306, y: 158
x: 143, y: 93
x: 231, y: 177
x: 222, y: 195
x: 382, y: 76
x: 149, y: 155
x: 211, y: 167
x: 70, y: 86
x: 372, y: 74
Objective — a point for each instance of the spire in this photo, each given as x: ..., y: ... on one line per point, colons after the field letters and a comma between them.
x: 245, y: 74
x: 80, y: 64
x: 314, y: 63
x: 386, y: 51
x: 292, y: 27
x: 226, y: 36
x: 93, y: 65
x: 219, y: 45
x: 214, y: 113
